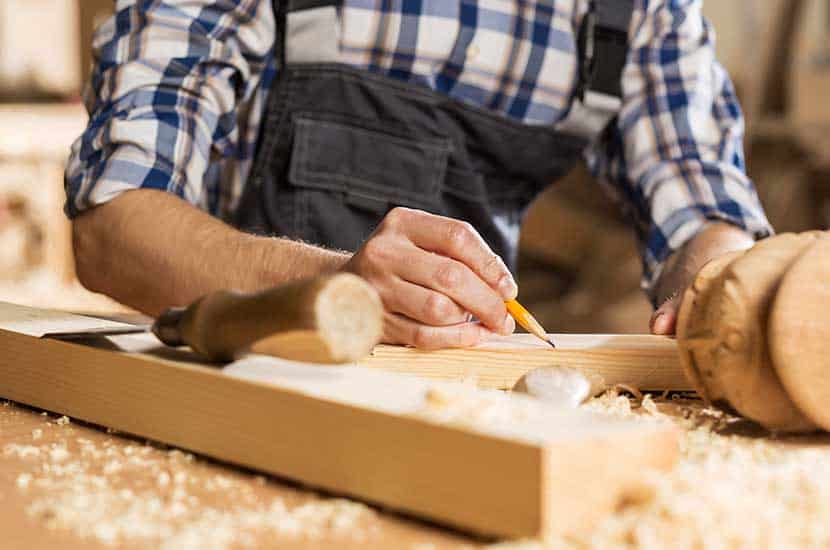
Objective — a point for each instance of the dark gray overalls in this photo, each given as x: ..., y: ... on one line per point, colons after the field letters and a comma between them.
x: 340, y: 146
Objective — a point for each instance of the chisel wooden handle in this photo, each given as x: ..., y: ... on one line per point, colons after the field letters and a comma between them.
x: 331, y: 319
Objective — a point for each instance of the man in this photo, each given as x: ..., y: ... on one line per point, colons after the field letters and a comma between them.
x: 414, y: 132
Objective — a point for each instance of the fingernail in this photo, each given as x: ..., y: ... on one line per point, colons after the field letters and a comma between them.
x: 655, y: 316
x: 509, y: 325
x: 507, y: 287
x: 661, y: 323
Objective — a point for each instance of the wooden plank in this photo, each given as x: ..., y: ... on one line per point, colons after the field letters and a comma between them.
x: 530, y: 470
x: 648, y: 362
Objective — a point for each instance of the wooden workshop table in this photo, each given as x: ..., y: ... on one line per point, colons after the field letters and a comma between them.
x: 67, y: 484
x: 162, y: 498
x: 166, y: 483
x: 106, y: 486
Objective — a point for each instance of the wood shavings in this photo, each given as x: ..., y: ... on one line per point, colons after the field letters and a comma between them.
x: 649, y: 405
x: 63, y: 421
x: 136, y: 494
x: 23, y: 481
x: 21, y: 451
x: 611, y: 402
x: 163, y: 479
x: 497, y: 412
x: 58, y: 453
x: 467, y: 406
x: 630, y: 388
x: 725, y: 483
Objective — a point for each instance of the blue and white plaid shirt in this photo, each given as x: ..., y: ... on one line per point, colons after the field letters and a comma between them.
x: 179, y: 89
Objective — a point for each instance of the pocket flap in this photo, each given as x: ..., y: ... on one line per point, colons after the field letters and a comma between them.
x: 367, y: 162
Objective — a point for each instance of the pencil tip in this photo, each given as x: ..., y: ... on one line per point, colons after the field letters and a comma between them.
x: 551, y: 343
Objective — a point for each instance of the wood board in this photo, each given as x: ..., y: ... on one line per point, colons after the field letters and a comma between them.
x: 358, y: 432
x: 645, y: 361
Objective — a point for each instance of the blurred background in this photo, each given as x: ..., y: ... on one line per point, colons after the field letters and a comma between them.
x: 579, y: 267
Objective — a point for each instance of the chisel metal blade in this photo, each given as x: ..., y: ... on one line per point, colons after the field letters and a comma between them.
x: 93, y: 333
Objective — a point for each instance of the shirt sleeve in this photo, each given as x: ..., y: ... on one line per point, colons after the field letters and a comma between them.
x: 163, y: 95
x: 675, y: 156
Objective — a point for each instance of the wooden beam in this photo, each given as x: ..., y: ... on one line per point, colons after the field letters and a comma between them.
x: 405, y: 443
x: 648, y: 362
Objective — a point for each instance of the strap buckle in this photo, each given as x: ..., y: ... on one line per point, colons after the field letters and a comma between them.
x: 587, y: 46
x: 603, y: 46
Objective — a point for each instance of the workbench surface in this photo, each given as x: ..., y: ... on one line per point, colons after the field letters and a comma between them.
x: 67, y: 484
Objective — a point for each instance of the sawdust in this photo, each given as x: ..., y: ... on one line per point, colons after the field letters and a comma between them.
x: 21, y: 451
x: 466, y: 406
x: 509, y: 415
x: 735, y: 488
x: 148, y: 495
x: 649, y: 405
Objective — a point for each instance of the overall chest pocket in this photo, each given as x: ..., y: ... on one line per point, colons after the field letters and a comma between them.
x: 371, y: 168
x: 346, y: 174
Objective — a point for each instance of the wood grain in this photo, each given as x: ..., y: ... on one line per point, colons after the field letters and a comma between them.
x: 648, y: 362
x: 741, y: 303
x: 722, y: 330
x: 695, y: 341
x: 799, y: 333
x: 347, y: 430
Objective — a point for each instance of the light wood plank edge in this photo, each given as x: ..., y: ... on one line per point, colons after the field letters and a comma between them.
x: 648, y: 369
x: 470, y: 481
x: 580, y: 488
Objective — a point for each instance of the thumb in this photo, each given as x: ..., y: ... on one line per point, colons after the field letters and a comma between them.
x: 664, y: 319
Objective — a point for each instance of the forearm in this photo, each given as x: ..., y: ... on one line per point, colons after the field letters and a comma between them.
x: 151, y: 250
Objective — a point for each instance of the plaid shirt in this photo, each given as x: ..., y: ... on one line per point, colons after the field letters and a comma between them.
x: 179, y: 89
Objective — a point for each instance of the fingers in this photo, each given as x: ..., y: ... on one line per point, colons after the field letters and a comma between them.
x: 432, y: 273
x: 460, y: 241
x: 458, y: 282
x: 400, y: 330
x: 664, y: 319
x: 423, y: 305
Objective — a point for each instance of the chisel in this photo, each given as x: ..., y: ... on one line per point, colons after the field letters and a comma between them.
x: 330, y: 319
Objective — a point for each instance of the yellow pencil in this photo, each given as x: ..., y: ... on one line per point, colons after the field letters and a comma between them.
x: 527, y: 321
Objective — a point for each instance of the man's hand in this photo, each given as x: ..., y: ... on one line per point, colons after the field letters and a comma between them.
x: 433, y: 274
x: 715, y: 240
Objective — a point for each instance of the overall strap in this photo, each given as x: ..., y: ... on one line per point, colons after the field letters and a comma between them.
x: 307, y: 31
x: 603, y: 50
